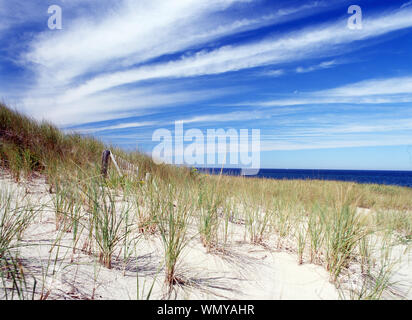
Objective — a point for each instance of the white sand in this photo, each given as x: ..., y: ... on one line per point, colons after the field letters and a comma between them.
x: 243, y: 271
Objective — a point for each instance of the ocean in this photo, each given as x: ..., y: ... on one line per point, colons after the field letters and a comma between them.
x: 398, y: 178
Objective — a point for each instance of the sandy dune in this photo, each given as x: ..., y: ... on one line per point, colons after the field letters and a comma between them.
x: 239, y: 271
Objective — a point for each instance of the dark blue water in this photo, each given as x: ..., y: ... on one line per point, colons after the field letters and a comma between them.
x: 399, y: 178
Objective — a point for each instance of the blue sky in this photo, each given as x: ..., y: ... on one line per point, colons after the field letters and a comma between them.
x: 324, y: 96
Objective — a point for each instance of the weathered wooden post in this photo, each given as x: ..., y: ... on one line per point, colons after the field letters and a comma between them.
x: 115, y: 164
x: 105, y: 162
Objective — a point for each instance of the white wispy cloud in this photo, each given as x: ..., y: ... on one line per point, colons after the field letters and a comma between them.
x: 209, y: 119
x: 114, y: 104
x: 322, y: 65
x: 334, y: 143
x: 94, y: 53
x: 273, y: 73
x: 346, y: 135
x: 372, y: 91
x: 300, y: 45
x: 135, y: 32
x: 348, y: 126
x: 326, y: 130
x: 130, y: 33
x: 128, y: 125
x: 406, y: 4
x: 373, y: 87
x: 225, y: 117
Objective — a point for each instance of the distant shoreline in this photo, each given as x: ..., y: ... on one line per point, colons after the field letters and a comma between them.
x: 382, y: 177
